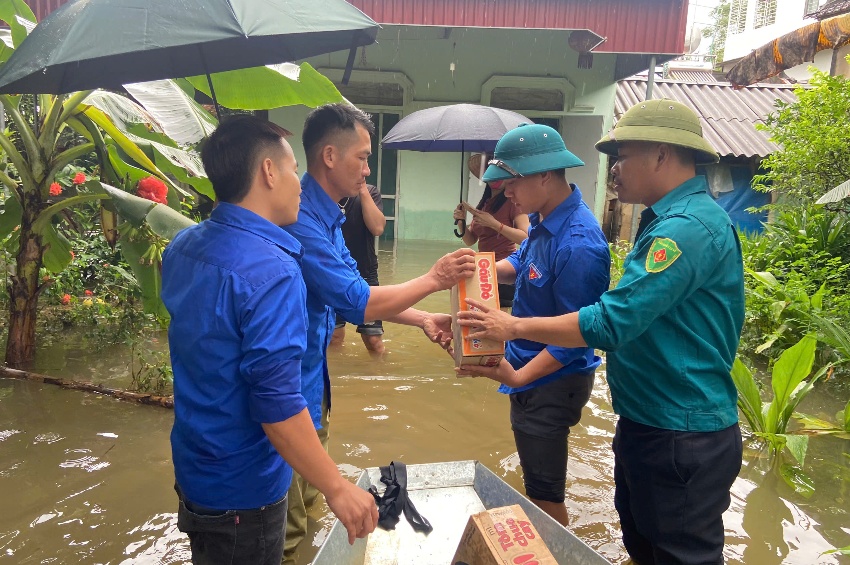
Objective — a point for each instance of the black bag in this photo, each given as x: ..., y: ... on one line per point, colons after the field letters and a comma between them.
x: 395, y: 500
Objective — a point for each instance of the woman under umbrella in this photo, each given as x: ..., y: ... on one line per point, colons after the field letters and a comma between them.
x: 498, y: 225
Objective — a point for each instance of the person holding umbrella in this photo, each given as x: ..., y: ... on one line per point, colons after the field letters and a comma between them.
x: 337, y: 141
x: 498, y: 225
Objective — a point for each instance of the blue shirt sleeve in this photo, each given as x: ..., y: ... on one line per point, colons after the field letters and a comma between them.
x: 331, y: 274
x: 274, y: 329
x: 582, y: 274
x: 642, y: 295
x: 514, y: 258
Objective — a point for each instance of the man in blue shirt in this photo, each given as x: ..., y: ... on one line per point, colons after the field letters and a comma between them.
x: 671, y: 328
x: 562, y: 266
x: 337, y: 143
x: 234, y: 289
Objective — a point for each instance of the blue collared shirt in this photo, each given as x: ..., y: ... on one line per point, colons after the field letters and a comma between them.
x: 333, y: 285
x: 672, y: 325
x: 563, y: 265
x: 234, y: 290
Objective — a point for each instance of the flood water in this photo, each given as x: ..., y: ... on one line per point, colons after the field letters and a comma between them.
x: 88, y: 479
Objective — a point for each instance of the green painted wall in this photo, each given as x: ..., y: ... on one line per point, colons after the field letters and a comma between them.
x: 429, y: 183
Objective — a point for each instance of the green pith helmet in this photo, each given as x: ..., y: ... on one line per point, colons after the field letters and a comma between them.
x: 660, y: 121
x: 528, y: 149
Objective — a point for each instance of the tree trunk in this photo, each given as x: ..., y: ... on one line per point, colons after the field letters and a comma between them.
x: 139, y: 397
x: 24, y: 286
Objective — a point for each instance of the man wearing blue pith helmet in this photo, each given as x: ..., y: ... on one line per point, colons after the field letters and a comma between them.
x: 562, y: 266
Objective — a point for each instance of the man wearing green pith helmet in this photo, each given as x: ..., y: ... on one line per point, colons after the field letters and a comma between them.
x: 671, y: 330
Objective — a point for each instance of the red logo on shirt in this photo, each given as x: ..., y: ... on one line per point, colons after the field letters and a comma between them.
x: 533, y: 273
x: 660, y: 256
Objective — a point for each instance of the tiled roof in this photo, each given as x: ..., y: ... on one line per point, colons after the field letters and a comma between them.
x: 728, y: 116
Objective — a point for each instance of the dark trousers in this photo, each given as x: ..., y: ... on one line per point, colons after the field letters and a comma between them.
x: 233, y: 537
x: 671, y: 491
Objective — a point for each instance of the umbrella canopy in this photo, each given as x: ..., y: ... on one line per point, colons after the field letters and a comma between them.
x: 790, y: 50
x: 88, y: 44
x: 458, y: 127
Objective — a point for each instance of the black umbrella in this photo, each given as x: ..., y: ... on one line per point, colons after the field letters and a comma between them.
x: 458, y: 127
x: 88, y: 44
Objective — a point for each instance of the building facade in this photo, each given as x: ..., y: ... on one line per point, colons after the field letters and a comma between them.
x: 753, y: 23
x: 554, y: 61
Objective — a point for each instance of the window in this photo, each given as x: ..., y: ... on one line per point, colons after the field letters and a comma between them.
x: 737, y: 17
x: 811, y: 6
x: 765, y: 13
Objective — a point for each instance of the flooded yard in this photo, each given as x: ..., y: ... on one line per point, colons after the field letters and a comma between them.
x: 88, y: 479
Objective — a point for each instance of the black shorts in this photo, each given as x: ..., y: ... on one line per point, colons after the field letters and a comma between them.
x: 375, y: 327
x: 541, y: 419
x: 506, y: 295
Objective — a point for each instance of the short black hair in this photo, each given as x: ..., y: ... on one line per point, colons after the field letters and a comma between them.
x: 231, y: 154
x: 332, y: 119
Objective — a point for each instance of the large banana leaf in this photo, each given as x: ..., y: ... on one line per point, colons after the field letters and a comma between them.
x: 143, y: 139
x: 837, y: 194
x: 57, y: 254
x: 147, y: 277
x: 164, y: 221
x: 183, y: 120
x: 272, y: 86
x: 10, y: 11
x: 11, y: 216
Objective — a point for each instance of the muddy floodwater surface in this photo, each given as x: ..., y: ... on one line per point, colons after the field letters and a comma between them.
x: 88, y: 479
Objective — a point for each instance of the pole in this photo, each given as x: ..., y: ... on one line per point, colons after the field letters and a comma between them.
x: 650, y: 83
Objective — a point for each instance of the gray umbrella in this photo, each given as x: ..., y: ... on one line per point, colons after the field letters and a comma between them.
x: 88, y: 44
x: 458, y: 127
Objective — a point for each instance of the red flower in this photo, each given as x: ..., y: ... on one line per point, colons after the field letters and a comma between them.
x: 73, y: 256
x: 88, y: 292
x: 79, y: 178
x: 66, y: 299
x: 55, y: 189
x: 153, y: 189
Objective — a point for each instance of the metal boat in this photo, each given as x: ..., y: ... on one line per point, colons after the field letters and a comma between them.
x: 447, y: 494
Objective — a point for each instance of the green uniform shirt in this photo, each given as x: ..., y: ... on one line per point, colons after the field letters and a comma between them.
x: 672, y: 325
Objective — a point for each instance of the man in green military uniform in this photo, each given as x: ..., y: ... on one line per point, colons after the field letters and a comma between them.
x: 671, y: 330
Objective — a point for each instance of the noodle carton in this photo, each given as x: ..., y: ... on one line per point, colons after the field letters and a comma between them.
x: 483, y: 287
x: 501, y: 536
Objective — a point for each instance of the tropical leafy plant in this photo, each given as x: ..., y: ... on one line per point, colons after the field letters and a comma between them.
x: 46, y: 135
x: 814, y: 135
x: 128, y: 143
x: 817, y: 426
x: 768, y: 420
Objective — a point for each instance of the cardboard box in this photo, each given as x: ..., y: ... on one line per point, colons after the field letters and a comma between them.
x: 501, y: 536
x: 483, y: 286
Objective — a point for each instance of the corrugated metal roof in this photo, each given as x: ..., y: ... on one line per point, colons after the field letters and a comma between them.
x: 702, y: 77
x: 728, y: 116
x: 630, y: 26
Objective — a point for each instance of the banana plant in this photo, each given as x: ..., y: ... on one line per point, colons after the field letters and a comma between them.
x: 131, y: 142
x: 46, y: 134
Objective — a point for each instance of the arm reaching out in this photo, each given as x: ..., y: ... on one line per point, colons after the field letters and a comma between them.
x: 296, y: 441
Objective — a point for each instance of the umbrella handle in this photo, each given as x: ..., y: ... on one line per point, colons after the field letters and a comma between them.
x: 462, y: 228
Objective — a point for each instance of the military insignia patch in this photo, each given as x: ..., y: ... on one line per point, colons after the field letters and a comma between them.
x: 662, y: 253
x: 533, y: 273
